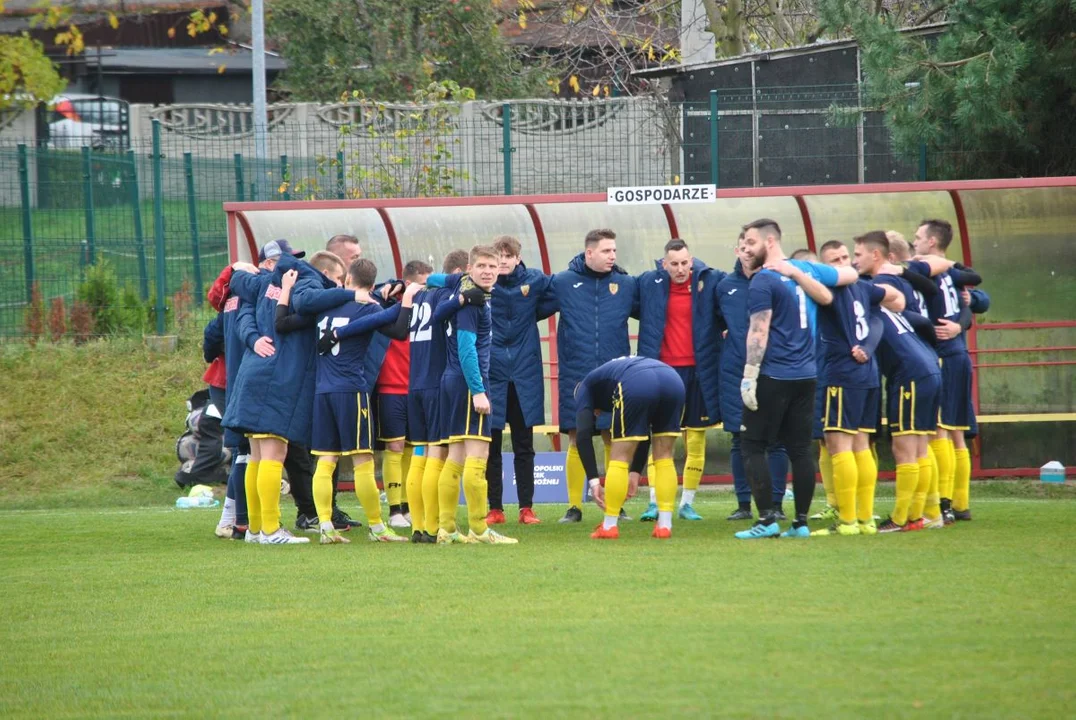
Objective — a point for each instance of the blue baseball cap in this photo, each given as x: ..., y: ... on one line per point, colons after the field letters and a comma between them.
x: 276, y: 248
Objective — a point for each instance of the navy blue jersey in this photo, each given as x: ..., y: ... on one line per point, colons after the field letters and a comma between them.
x: 902, y: 355
x: 843, y: 325
x: 341, y: 370
x: 790, y: 350
x: 599, y: 388
x: 478, y: 320
x: 429, y: 351
x: 945, y: 305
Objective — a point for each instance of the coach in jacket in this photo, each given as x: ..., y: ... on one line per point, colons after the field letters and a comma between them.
x: 679, y: 324
x: 517, y: 389
x: 595, y: 297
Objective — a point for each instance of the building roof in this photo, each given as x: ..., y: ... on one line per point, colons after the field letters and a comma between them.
x: 180, y: 61
x: 800, y: 50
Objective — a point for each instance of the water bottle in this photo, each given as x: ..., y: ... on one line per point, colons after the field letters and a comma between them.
x: 185, y: 502
x: 1052, y: 472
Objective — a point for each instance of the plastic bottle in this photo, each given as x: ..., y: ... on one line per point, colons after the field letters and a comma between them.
x: 185, y: 503
x: 1052, y: 472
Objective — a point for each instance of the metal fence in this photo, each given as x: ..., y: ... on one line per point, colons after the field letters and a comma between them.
x: 153, y: 211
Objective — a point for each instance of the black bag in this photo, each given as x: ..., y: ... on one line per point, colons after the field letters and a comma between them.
x: 202, y: 456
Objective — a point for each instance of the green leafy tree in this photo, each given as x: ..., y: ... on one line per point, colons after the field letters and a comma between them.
x: 993, y: 96
x: 389, y: 48
x: 27, y: 75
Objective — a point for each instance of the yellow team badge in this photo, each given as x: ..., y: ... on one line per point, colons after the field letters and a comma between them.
x: 833, y: 391
x: 700, y: 285
x: 613, y: 287
x: 907, y: 396
x: 365, y: 412
x: 525, y: 289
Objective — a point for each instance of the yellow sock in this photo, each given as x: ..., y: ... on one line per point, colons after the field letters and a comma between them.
x: 616, y: 487
x: 392, y: 476
x: 323, y: 490
x: 665, y: 484
x: 874, y: 453
x: 962, y: 479
x: 416, y: 468
x: 845, y: 478
x: 448, y: 495
x: 430, y: 477
x: 866, y: 482
x: 608, y: 449
x: 476, y: 491
x: 576, y: 477
x: 942, y: 449
x: 269, y: 474
x: 696, y: 459
x: 254, y: 508
x: 919, y: 497
x: 825, y: 467
x: 405, y: 467
x: 366, y: 490
x: 933, y: 504
x: 907, y: 481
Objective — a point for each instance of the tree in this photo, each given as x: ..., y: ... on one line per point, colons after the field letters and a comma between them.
x: 387, y: 49
x: 27, y: 76
x: 993, y: 96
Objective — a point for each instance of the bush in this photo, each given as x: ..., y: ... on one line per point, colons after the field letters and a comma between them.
x: 113, y: 309
x: 35, y: 315
x: 81, y: 322
x: 57, y: 319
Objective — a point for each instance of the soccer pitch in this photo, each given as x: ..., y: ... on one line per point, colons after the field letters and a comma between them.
x: 144, y: 613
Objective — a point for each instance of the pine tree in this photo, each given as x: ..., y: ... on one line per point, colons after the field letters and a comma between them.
x: 993, y: 96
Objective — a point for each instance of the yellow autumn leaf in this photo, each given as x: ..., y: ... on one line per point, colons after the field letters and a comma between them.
x: 113, y: 21
x: 650, y: 52
x: 222, y: 29
x: 522, y: 21
x: 597, y: 89
x: 216, y: 50
x: 573, y: 83
x: 220, y: 69
x: 606, y: 91
x: 212, y: 17
x: 554, y: 85
x: 191, y: 30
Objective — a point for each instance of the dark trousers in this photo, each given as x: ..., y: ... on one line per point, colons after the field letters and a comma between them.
x: 785, y: 415
x: 300, y: 466
x: 523, y: 459
x: 778, y: 462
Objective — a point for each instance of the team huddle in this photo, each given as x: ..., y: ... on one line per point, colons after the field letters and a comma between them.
x: 319, y: 361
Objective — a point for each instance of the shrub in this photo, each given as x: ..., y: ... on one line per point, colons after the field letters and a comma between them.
x: 35, y: 315
x: 81, y: 322
x: 57, y: 319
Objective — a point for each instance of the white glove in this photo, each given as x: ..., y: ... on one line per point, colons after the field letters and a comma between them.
x: 748, y: 387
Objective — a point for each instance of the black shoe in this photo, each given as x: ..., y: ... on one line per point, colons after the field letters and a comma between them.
x: 948, y: 517
x: 780, y: 515
x: 428, y: 539
x: 741, y: 515
x: 305, y: 523
x: 623, y: 515
x: 343, y: 522
x: 573, y: 515
x: 964, y: 515
x: 416, y: 537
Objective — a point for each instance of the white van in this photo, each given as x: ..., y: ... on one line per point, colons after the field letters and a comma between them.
x: 77, y: 120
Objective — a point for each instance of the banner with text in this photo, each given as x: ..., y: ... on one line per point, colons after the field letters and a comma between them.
x: 661, y: 194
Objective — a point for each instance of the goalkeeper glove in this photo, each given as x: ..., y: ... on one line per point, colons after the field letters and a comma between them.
x: 749, y: 386
x: 474, y: 296
x: 326, y: 342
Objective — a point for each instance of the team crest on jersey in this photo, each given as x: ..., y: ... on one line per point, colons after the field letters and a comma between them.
x: 525, y: 289
x: 272, y: 292
x: 700, y: 285
x: 907, y: 396
x: 232, y: 304
x: 613, y: 287
x: 833, y: 392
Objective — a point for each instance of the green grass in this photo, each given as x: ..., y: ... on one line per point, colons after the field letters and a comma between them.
x: 145, y: 613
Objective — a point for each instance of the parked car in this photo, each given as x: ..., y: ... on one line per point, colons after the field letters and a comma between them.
x: 77, y: 120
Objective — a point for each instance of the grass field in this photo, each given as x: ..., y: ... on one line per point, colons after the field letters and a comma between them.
x: 144, y: 613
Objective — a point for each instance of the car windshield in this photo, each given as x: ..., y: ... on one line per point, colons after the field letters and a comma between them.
x: 105, y: 112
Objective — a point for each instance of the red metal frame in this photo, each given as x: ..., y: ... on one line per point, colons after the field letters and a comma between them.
x: 237, y: 219
x: 554, y: 367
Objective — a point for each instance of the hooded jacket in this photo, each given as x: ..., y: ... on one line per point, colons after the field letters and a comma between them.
x: 731, y: 297
x: 593, y: 327
x: 516, y: 354
x: 275, y: 395
x: 706, y: 325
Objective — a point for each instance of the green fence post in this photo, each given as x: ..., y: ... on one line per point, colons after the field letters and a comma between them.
x: 158, y: 225
x: 341, y: 185
x: 506, y: 140
x: 284, y: 176
x: 140, y: 240
x: 87, y: 203
x: 713, y: 137
x: 27, y: 221
x: 192, y: 212
x: 923, y: 161
x: 239, y: 177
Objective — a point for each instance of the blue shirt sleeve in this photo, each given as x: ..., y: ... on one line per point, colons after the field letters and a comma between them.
x: 309, y: 299
x: 213, y: 339
x: 468, y: 353
x: 436, y: 280
x: 824, y: 274
x: 445, y: 308
x: 247, y: 325
x: 368, y: 322
x: 760, y: 293
x: 875, y: 293
x: 246, y: 285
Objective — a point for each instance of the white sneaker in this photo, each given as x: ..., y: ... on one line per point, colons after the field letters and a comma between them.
x: 399, y: 520
x: 937, y: 523
x: 254, y: 538
x: 223, y: 531
x: 491, y: 537
x: 407, y: 516
x: 283, y: 537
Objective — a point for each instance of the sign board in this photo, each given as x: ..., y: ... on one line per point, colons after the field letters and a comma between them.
x: 661, y: 194
x: 550, y: 479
